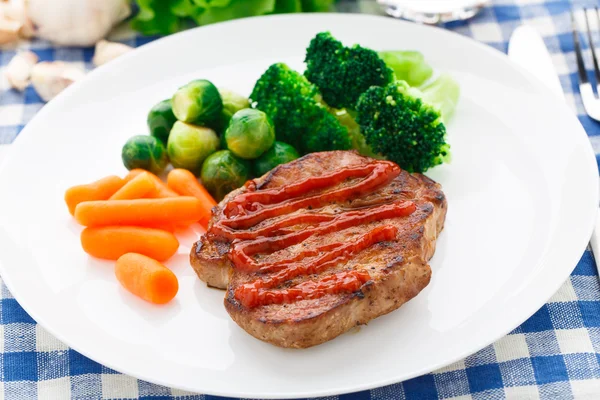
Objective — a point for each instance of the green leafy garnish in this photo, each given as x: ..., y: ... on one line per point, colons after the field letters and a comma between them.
x: 169, y: 16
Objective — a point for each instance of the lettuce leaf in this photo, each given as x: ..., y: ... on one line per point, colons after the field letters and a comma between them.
x: 234, y: 9
x: 169, y: 16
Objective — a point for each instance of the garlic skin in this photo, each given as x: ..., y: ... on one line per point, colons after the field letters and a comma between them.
x: 19, y: 68
x: 106, y: 51
x: 14, y: 10
x: 9, y: 31
x: 51, y: 78
x: 76, y: 22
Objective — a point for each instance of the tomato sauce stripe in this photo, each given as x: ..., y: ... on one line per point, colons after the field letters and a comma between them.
x: 328, y: 260
x: 245, y: 201
x: 247, y: 210
x: 241, y: 253
x: 346, y: 281
x: 380, y: 174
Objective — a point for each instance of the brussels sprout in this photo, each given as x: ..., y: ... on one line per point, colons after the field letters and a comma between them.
x: 197, y: 102
x: 250, y: 133
x: 146, y: 152
x: 223, y: 172
x: 232, y: 103
x: 280, y: 153
x: 161, y: 120
x: 189, y: 145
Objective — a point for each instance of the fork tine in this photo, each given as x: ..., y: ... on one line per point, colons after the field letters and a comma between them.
x: 583, y: 78
x: 592, y: 46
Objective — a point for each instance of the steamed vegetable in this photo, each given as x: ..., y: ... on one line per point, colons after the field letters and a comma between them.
x: 299, y: 118
x: 100, y: 190
x: 341, y: 73
x: 189, y: 145
x: 397, y: 123
x: 250, y: 133
x: 442, y: 93
x: 162, y: 190
x: 280, y: 153
x: 223, y: 172
x: 185, y: 183
x: 359, y: 143
x: 145, y: 152
x: 232, y: 103
x: 198, y: 102
x: 146, y: 278
x: 137, y: 188
x: 111, y: 242
x: 160, y: 120
x: 139, y: 212
x: 409, y: 66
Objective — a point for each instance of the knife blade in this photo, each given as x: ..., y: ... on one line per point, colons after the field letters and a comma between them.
x: 526, y: 48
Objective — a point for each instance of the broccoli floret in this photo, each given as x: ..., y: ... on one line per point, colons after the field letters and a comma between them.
x: 398, y: 124
x: 300, y: 120
x: 341, y: 73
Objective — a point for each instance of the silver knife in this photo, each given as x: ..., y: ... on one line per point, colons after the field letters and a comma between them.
x: 526, y: 48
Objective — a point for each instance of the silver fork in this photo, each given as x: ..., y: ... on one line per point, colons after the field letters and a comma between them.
x: 591, y: 103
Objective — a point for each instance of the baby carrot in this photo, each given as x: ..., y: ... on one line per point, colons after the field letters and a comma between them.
x: 111, y: 242
x: 139, y: 212
x: 141, y: 186
x: 146, y: 278
x: 185, y: 183
x: 99, y: 190
x: 162, y: 190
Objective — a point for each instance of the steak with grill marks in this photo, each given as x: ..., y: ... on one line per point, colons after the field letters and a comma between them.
x: 320, y: 245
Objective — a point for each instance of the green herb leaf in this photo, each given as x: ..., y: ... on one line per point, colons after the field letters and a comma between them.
x: 235, y: 9
x: 287, y: 6
x: 155, y: 17
x: 316, y: 5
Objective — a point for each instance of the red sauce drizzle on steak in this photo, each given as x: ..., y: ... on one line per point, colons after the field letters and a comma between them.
x: 249, y: 209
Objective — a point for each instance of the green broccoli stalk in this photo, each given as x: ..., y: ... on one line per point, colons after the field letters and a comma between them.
x: 293, y: 105
x: 399, y: 125
x: 341, y: 73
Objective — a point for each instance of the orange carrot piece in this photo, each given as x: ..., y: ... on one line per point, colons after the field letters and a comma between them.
x: 111, y: 242
x: 162, y: 190
x: 185, y: 183
x: 99, y: 190
x: 139, y: 212
x: 139, y: 187
x: 146, y: 278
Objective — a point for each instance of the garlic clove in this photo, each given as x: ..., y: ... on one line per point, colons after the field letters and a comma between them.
x: 9, y: 31
x: 107, y: 51
x: 19, y: 68
x: 51, y: 78
x: 76, y: 22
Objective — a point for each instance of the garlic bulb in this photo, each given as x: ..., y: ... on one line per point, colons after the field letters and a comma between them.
x: 76, y: 22
x: 51, y: 78
x: 14, y: 10
x: 19, y: 68
x: 107, y: 51
x: 9, y: 31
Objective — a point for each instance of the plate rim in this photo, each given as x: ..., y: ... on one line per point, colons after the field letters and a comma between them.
x: 523, y: 316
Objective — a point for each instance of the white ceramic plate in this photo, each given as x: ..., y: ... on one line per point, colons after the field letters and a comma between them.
x: 522, y: 193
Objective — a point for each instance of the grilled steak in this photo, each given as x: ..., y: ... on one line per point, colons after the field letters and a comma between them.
x: 321, y: 244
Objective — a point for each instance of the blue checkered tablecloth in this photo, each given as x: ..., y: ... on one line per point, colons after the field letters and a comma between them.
x: 553, y: 355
